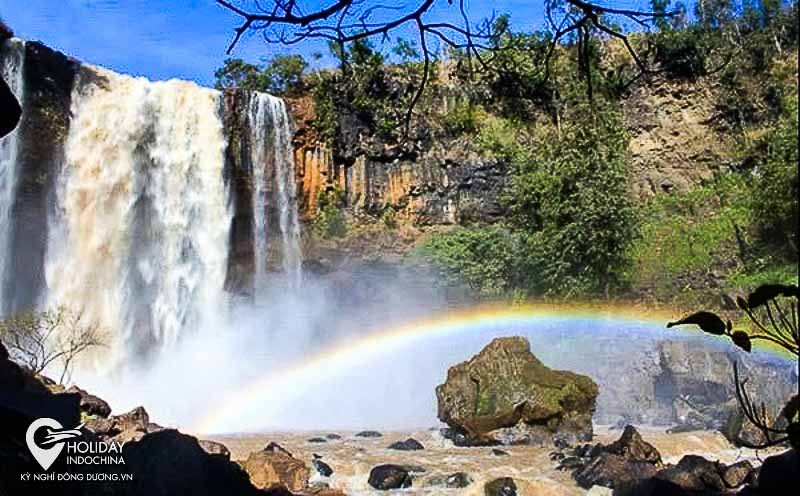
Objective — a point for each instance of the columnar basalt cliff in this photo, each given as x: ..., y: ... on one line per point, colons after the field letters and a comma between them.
x: 432, y: 184
x: 675, y: 145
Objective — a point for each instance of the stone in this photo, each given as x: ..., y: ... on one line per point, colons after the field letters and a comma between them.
x: 737, y: 474
x: 136, y: 419
x: 499, y: 452
x: 506, y: 386
x: 215, y: 448
x: 91, y: 404
x: 409, y: 444
x: 504, y: 486
x: 322, y: 468
x: 571, y: 463
x: 369, y: 434
x: 270, y: 469
x: 273, y: 447
x: 458, y: 480
x: 385, y: 477
x: 318, y: 440
x: 614, y: 471
x: 695, y: 473
x: 631, y: 446
x: 332, y: 436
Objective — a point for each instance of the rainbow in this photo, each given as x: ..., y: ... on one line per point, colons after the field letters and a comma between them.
x: 345, y: 353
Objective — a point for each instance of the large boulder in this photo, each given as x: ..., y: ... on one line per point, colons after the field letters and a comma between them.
x: 276, y: 469
x: 695, y: 473
x: 613, y: 471
x: 619, y: 465
x: 505, y: 394
x: 631, y: 446
x: 385, y: 477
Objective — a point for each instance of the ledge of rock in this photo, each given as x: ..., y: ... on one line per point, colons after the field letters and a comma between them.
x: 505, y: 395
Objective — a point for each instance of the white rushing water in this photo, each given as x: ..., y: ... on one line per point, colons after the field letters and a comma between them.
x: 272, y: 160
x: 140, y: 238
x: 12, y: 65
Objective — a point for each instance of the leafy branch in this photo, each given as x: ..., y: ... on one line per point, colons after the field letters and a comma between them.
x: 773, y: 309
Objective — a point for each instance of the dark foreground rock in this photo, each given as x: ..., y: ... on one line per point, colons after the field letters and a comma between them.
x: 777, y: 471
x: 506, y: 395
x: 633, y: 467
x: 409, y: 444
x: 90, y: 404
x: 385, y: 477
x: 168, y: 462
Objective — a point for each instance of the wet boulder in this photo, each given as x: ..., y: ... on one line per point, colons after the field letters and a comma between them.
x: 457, y: 480
x: 385, y: 477
x: 618, y: 465
x: 504, y: 486
x: 504, y: 394
x: 322, y: 468
x: 369, y: 434
x: 631, y: 446
x: 695, y: 473
x: 613, y: 471
x: 409, y: 444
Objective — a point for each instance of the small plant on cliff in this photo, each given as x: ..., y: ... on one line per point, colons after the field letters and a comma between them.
x: 330, y: 221
x: 773, y: 311
x: 52, y: 338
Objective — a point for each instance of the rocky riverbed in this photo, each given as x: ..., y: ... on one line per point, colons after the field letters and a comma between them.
x: 533, y: 469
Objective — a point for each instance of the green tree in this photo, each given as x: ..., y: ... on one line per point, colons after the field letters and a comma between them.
x: 776, y: 186
x: 236, y: 73
x: 284, y: 74
x: 570, y: 197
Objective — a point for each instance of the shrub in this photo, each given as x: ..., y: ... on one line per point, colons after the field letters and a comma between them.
x: 330, y: 220
x: 482, y: 258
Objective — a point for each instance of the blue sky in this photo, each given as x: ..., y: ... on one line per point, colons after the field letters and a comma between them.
x: 187, y: 39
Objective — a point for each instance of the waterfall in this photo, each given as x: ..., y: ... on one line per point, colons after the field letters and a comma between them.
x: 11, y: 67
x: 272, y: 161
x: 140, y: 234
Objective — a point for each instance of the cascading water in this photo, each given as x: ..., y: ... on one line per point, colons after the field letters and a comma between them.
x: 11, y: 66
x: 140, y: 236
x: 272, y: 160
